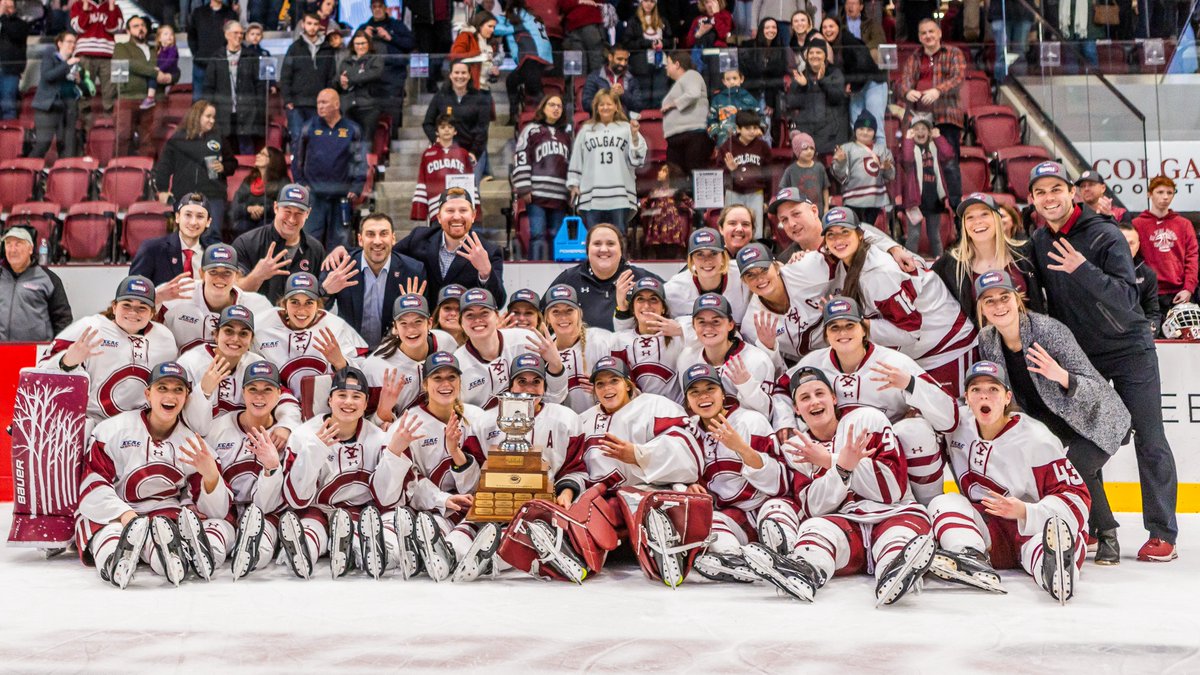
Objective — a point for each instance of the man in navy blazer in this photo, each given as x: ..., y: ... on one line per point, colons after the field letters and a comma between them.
x: 164, y: 258
x: 365, y: 285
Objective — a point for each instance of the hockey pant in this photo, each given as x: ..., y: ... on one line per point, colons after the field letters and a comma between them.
x: 732, y: 528
x: 924, y: 457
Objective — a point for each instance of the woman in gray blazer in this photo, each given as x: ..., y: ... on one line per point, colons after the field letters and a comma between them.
x: 56, y: 104
x: 1054, y: 382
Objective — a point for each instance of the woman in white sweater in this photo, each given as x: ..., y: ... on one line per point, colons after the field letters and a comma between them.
x: 685, y: 113
x: 608, y: 148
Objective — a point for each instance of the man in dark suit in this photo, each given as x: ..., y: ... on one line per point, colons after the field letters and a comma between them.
x: 452, y: 254
x: 179, y: 253
x: 382, y: 275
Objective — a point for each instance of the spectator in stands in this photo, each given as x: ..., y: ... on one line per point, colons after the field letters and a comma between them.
x: 529, y: 47
x: 724, y: 106
x: 608, y: 149
x: 363, y: 88
x: 1094, y: 193
x: 867, y: 83
x: 206, y: 39
x: 431, y: 28
x: 470, y: 111
x: 1010, y: 21
x: 667, y: 215
x: 1169, y: 245
x: 268, y: 254
x: 232, y: 84
x: 816, y: 99
x: 55, y: 105
x: 326, y: 12
x: 144, y: 74
x: 583, y: 23
x: 929, y: 82
x: 473, y: 47
x: 341, y: 51
x: 393, y: 41
x: 605, y: 274
x: 779, y: 11
x: 179, y: 253
x: 708, y: 31
x: 13, y: 32
x: 863, y: 27
x: 308, y: 67
x: 806, y: 174
x: 1087, y: 272
x: 539, y: 176
x: 679, y: 15
x: 924, y: 154
x: 331, y: 160
x: 616, y: 78
x: 254, y: 202
x: 802, y: 31
x: 648, y: 38
x: 443, y: 159
x: 864, y: 168
x: 365, y: 286
x: 764, y: 62
x: 746, y: 158
x: 167, y: 61
x: 685, y: 111
x: 1147, y: 281
x: 96, y: 24
x: 32, y: 298
x: 195, y: 159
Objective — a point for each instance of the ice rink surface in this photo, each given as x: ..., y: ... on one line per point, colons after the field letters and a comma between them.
x: 57, y: 616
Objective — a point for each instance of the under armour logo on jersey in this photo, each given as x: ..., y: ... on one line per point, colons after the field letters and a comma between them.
x: 351, y: 452
x: 138, y: 349
x: 980, y: 451
x: 299, y: 341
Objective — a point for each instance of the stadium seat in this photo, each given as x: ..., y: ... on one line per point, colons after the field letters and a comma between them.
x: 126, y: 180
x: 179, y: 100
x: 368, y: 192
x: 87, y: 229
x: 41, y: 216
x: 975, y: 170
x: 69, y: 180
x: 102, y: 140
x: 1015, y: 164
x: 996, y: 126
x: 19, y: 180
x: 976, y: 91
x: 144, y: 220
x: 651, y: 128
x: 277, y: 134
x: 245, y: 164
x: 12, y: 140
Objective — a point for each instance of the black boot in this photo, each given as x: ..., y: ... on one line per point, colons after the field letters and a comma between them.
x: 1108, y: 550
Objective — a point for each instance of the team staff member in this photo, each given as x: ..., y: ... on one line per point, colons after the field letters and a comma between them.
x: 164, y: 258
x: 281, y: 248
x: 604, y: 276
x: 1086, y: 270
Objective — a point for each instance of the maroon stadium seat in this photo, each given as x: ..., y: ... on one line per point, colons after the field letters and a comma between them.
x: 87, y: 229
x: 1015, y: 164
x: 41, y: 216
x: 996, y: 126
x: 102, y: 140
x: 12, y: 140
x: 126, y: 180
x: 144, y: 220
x: 651, y: 128
x: 18, y: 180
x: 975, y: 170
x: 69, y: 180
x: 245, y: 164
x: 976, y: 91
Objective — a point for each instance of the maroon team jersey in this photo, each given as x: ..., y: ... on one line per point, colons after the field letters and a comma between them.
x: 437, y: 162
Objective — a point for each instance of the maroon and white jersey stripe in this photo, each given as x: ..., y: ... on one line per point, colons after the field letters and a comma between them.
x: 754, y: 394
x: 683, y: 289
x: 375, y: 367
x: 668, y: 451
x: 295, y: 352
x: 652, y: 360
x: 728, y: 479
x: 192, y: 321
x: 798, y: 329
x: 432, y: 460
x: 578, y: 363
x: 483, y: 379
x: 437, y: 164
x: 242, y: 471
x: 227, y: 397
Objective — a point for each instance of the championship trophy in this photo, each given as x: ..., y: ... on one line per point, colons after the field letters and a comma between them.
x: 515, y: 471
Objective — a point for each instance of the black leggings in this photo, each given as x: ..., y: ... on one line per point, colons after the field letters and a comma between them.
x: 1089, y: 461
x: 690, y: 150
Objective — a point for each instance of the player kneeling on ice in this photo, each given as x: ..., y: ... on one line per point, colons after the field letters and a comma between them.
x: 1020, y: 503
x: 850, y: 509
x: 742, y: 469
x: 445, y: 438
x: 347, y: 485
x: 152, y: 490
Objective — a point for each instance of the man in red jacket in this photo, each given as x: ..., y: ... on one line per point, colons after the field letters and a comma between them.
x: 1168, y: 245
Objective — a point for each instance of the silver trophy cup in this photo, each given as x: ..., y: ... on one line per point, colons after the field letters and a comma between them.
x: 516, y: 421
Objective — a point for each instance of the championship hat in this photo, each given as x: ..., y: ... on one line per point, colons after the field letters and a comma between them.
x: 302, y: 283
x: 610, y: 364
x: 839, y: 216
x: 477, y: 297
x: 219, y: 255
x: 806, y: 374
x: 294, y: 194
x: 527, y: 296
x: 712, y: 302
x: 136, y: 288
x: 784, y: 195
x: 170, y: 370
x: 701, y: 372
x: 705, y: 239
x: 977, y: 198
x: 236, y: 313
x: 996, y: 279
x: 753, y: 256
x: 410, y: 303
x: 438, y: 360
x: 1048, y: 170
x: 986, y: 369
x: 527, y: 363
x: 261, y: 371
x: 560, y: 294
x: 350, y: 379
x: 649, y: 284
x: 451, y: 292
x: 840, y: 307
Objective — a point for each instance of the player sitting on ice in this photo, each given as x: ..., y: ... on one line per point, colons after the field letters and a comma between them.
x: 251, y: 463
x: 865, y: 373
x: 193, y: 317
x: 220, y: 369
x: 116, y: 349
x: 445, y: 439
x: 152, y: 490
x: 578, y: 344
x: 742, y: 469
x: 850, y: 510
x: 1020, y: 502
x: 394, y: 368
x: 302, y: 339
x: 343, y: 471
x: 651, y: 340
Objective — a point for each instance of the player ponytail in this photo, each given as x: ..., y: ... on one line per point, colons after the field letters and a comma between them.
x: 852, y: 288
x: 388, y: 347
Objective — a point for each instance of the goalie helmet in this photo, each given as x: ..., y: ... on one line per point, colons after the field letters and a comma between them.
x: 1182, y: 322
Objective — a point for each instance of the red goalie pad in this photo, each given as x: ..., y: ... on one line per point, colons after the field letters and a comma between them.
x: 589, y: 528
x: 691, y: 514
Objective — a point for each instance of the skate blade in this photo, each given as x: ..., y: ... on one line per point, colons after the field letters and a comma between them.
x: 192, y: 531
x: 435, y: 565
x: 291, y: 536
x: 920, y: 560
x: 668, y: 564
x: 1058, y: 540
x: 946, y: 570
x: 172, y: 563
x: 716, y: 571
x: 547, y: 550
x: 781, y: 583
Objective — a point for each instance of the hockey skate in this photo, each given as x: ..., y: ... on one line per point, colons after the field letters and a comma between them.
x: 341, y: 542
x: 370, y: 535
x: 120, y: 566
x: 249, y: 537
x: 662, y: 539
x: 794, y: 576
x: 553, y: 551
x: 295, y: 549
x: 196, y: 545
x: 438, y: 556
x: 481, y: 557
x: 1058, y: 560
x: 724, y: 567
x: 168, y: 548
x: 772, y: 536
x: 970, y: 567
x: 409, y: 560
x: 905, y: 570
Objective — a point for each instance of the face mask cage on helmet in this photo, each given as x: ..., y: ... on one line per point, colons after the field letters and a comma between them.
x: 1182, y: 322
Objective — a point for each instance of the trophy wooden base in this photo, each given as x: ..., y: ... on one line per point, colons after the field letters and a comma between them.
x: 509, y: 479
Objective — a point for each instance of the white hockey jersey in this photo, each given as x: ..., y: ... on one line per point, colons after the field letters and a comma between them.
x: 856, y: 388
x: 375, y: 368
x: 799, y: 327
x: 295, y: 352
x: 652, y: 360
x: 243, y: 473
x: 732, y: 484
x: 683, y: 289
x: 125, y: 469
x: 913, y: 313
x: 578, y: 363
x: 433, y: 461
x: 227, y: 397
x: 668, y: 451
x: 117, y: 376
x: 556, y: 434
x: 483, y: 379
x: 1025, y: 461
x: 755, y: 394
x: 192, y: 322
